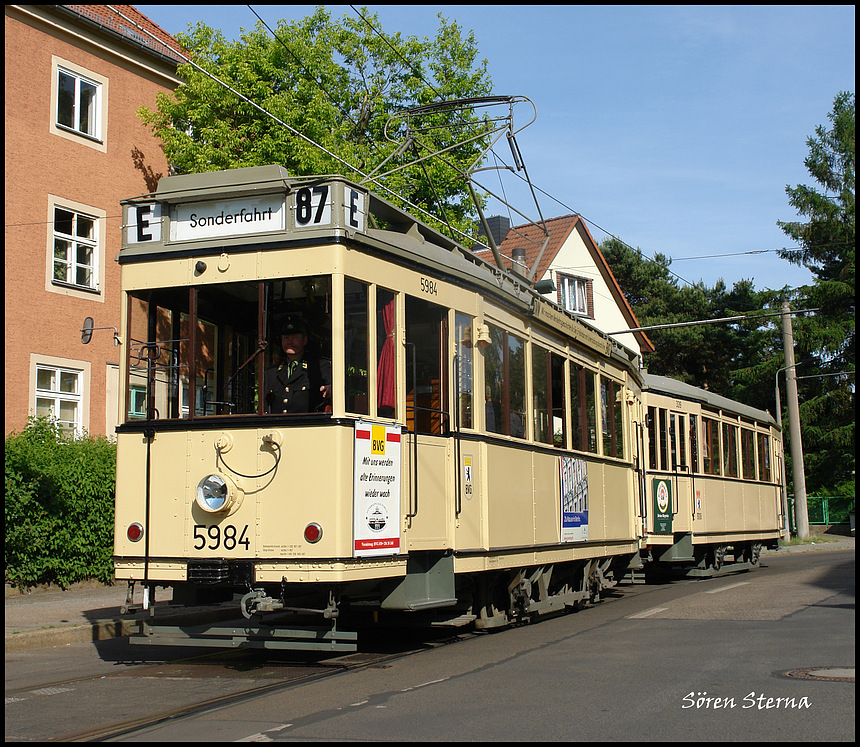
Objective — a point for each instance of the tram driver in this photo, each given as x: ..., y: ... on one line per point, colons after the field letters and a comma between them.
x: 301, y: 382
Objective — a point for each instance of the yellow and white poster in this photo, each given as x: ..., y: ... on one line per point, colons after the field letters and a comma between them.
x: 376, y: 490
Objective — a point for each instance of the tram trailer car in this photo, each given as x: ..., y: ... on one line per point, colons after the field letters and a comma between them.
x: 713, y: 486
x: 475, y: 459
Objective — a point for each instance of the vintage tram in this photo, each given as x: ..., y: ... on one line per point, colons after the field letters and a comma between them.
x: 712, y: 480
x: 472, y: 455
x: 332, y: 411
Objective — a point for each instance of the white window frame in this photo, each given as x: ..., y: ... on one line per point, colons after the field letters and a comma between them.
x: 55, y: 396
x: 76, y: 252
x: 95, y: 244
x: 96, y: 134
x: 574, y: 294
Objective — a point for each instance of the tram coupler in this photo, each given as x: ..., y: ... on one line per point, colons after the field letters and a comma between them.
x: 256, y: 602
x: 129, y: 600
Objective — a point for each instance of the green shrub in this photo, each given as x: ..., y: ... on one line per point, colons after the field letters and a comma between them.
x: 59, y: 507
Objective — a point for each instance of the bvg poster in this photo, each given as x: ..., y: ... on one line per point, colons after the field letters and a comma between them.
x: 574, y: 499
x: 376, y: 490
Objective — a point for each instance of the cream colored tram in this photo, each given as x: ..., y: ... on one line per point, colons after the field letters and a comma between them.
x: 713, y: 487
x: 474, y: 460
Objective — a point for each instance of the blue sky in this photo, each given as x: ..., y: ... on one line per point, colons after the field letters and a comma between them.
x: 674, y: 128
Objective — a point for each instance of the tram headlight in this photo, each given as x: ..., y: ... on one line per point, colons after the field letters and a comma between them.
x: 214, y: 494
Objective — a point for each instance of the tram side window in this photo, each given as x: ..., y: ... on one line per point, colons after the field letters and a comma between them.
x: 748, y: 453
x: 548, y: 397
x: 386, y: 358
x: 664, y: 439
x: 682, y: 441
x: 694, y: 443
x: 355, y: 346
x: 650, y: 426
x: 426, y: 366
x: 711, y: 446
x: 541, y: 394
x: 504, y: 377
x: 158, y: 335
x: 730, y: 449
x: 558, y: 407
x: 764, y: 457
x: 583, y: 408
x: 297, y: 380
x: 463, y: 341
x: 611, y: 417
x: 227, y: 351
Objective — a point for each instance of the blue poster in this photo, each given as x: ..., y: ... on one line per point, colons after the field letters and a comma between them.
x: 574, y: 499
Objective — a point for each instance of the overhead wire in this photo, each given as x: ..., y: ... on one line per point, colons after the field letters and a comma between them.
x: 367, y: 177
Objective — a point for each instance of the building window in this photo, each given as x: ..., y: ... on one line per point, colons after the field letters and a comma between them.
x: 576, y: 295
x: 78, y: 103
x: 136, y: 402
x: 75, y: 249
x: 58, y: 396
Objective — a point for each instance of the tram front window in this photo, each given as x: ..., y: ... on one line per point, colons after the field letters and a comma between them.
x: 205, y: 351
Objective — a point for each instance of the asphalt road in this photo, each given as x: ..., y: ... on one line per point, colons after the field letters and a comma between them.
x: 767, y: 656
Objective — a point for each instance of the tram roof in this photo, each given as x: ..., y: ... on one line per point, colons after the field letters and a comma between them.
x: 385, y: 227
x: 665, y: 385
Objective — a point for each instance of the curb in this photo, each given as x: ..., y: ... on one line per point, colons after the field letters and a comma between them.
x: 104, y: 630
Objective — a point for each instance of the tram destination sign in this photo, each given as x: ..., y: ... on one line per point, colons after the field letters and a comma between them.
x: 220, y: 219
x: 318, y: 205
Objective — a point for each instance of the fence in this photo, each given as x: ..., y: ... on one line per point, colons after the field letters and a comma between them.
x: 823, y: 509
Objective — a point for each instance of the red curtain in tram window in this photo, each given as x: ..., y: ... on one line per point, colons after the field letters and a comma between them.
x: 385, y: 378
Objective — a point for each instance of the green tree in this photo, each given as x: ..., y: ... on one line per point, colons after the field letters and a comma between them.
x: 824, y: 340
x: 720, y: 357
x: 338, y: 84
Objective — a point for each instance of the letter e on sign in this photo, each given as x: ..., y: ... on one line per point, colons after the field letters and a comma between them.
x: 144, y: 223
x: 377, y: 440
x: 354, y: 217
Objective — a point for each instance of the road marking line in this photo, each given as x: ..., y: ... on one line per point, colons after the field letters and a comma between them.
x: 647, y: 613
x: 726, y: 588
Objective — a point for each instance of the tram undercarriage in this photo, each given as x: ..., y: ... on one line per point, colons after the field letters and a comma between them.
x: 703, y: 560
x: 300, y: 618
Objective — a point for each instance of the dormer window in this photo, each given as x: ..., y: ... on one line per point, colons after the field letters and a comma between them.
x: 576, y: 295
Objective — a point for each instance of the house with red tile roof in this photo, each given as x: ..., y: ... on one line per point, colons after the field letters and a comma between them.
x: 566, y: 254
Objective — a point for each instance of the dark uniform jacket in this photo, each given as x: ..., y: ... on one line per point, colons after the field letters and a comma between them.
x: 299, y: 390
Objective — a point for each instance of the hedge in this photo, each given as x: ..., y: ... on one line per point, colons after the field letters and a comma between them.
x: 59, y: 507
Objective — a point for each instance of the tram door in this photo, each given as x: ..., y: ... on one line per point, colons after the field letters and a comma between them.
x: 429, y: 451
x: 671, y: 478
x: 681, y: 472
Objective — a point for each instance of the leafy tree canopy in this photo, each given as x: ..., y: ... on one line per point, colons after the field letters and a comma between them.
x: 825, y: 339
x: 337, y: 83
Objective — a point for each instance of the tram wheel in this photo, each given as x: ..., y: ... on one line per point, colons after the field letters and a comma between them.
x: 753, y: 553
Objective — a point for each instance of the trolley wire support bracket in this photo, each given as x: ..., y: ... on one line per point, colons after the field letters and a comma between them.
x: 414, y: 127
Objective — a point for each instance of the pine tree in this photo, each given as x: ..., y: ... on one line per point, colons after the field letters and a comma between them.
x: 824, y: 339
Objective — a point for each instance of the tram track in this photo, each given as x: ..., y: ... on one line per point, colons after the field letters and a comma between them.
x: 232, y: 666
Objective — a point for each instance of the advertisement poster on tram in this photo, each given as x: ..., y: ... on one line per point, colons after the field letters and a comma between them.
x: 574, y: 499
x: 376, y: 490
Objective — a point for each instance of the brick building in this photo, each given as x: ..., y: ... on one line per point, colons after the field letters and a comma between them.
x: 75, y: 77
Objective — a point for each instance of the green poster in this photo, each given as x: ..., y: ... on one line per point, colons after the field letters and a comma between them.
x: 662, y: 506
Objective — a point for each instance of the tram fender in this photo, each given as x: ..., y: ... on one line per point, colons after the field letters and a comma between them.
x: 681, y: 550
x: 428, y: 583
